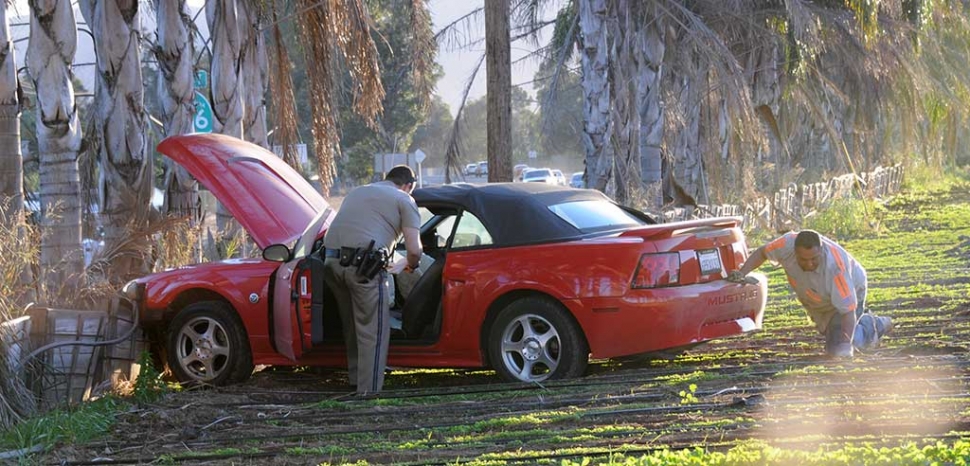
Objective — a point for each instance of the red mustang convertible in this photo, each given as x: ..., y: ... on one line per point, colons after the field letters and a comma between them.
x: 529, y: 279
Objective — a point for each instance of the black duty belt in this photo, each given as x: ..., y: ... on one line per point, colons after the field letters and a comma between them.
x: 336, y: 253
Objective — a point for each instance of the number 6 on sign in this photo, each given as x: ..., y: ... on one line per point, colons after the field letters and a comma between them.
x: 202, y: 123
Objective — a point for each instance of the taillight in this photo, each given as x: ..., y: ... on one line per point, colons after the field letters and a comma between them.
x: 656, y: 270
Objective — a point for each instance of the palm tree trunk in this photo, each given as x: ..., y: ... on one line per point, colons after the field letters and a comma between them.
x: 175, y: 53
x: 498, y: 66
x: 53, y: 40
x: 597, y: 126
x: 227, y: 103
x: 685, y: 153
x: 11, y: 160
x: 226, y: 88
x: 253, y: 69
x: 649, y: 55
x: 126, y: 165
x: 623, y: 111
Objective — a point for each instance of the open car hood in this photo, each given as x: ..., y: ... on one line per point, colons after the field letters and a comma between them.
x: 270, y: 199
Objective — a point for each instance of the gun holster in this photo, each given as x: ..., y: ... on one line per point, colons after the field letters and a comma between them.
x: 372, y: 263
x: 369, y: 262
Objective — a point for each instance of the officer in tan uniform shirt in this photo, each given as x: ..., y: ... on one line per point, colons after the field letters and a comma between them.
x: 378, y: 212
x: 830, y: 284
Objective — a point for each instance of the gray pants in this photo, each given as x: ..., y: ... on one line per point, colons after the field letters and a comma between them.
x: 365, y: 314
x: 869, y: 329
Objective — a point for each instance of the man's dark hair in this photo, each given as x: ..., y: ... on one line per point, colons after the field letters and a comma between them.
x: 401, y: 175
x: 807, y: 239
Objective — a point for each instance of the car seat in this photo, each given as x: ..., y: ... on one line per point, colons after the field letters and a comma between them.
x: 424, y: 301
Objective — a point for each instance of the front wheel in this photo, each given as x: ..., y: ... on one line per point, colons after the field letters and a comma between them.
x: 208, y: 344
x: 534, y: 339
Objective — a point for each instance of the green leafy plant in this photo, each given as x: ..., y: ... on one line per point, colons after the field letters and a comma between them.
x: 687, y: 396
x: 148, y: 385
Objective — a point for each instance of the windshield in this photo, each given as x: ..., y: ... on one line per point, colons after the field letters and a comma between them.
x: 309, y: 235
x: 537, y: 173
x: 594, y: 216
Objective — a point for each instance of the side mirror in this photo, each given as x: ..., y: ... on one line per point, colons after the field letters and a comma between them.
x: 277, y: 253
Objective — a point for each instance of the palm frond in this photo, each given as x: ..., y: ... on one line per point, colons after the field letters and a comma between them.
x: 453, y: 152
x: 454, y: 35
x: 283, y: 101
x: 423, y: 51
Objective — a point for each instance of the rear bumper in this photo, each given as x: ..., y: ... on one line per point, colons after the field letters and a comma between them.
x: 657, y: 319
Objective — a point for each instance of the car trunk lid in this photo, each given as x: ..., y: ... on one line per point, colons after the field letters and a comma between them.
x: 700, y: 250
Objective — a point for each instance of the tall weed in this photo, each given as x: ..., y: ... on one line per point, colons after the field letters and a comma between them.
x: 18, y: 261
x: 846, y: 219
x: 922, y: 178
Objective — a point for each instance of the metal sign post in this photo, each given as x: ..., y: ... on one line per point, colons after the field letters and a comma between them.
x: 419, y: 157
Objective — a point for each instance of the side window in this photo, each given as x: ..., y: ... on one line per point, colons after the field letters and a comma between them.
x: 470, y: 232
x: 443, y: 229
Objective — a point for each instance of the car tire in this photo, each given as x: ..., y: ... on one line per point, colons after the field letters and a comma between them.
x: 535, y: 339
x: 207, y: 344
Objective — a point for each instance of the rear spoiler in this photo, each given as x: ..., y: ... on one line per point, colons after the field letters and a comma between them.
x: 667, y: 230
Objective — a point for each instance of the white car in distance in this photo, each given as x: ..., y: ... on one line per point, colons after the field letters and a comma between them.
x: 560, y: 178
x: 539, y: 175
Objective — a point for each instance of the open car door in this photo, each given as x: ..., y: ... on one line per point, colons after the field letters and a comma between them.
x: 297, y: 307
x: 287, y: 322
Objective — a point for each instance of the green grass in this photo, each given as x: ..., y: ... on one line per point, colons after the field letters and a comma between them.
x: 331, y: 450
x: 81, y: 424
x: 758, y: 453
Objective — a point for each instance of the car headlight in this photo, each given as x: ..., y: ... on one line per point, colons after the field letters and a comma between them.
x: 134, y: 290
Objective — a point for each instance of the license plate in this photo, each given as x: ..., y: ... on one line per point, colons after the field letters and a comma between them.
x: 710, y: 261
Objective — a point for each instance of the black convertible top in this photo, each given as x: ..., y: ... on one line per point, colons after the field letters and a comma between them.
x: 513, y: 213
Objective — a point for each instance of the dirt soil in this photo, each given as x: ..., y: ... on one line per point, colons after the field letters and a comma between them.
x: 773, y: 385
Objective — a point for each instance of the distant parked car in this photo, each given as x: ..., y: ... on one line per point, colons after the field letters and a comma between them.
x: 518, y: 170
x: 560, y: 178
x: 539, y: 175
x: 471, y: 169
x: 482, y: 168
x: 576, y: 180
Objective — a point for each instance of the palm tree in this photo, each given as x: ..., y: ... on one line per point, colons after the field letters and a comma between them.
x: 648, y: 55
x: 226, y: 89
x: 222, y: 17
x: 11, y: 160
x: 121, y: 125
x: 253, y: 68
x: 53, y: 39
x: 175, y: 53
x: 11, y: 166
x: 597, y: 124
x: 624, y: 93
